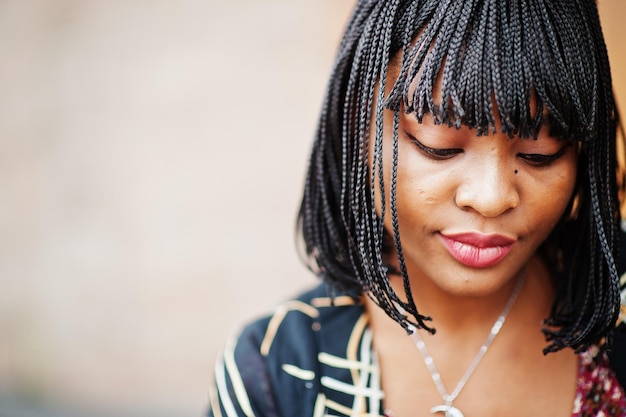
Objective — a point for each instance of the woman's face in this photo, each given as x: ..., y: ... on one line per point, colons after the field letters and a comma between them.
x: 472, y: 211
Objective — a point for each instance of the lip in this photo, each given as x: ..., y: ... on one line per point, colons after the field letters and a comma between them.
x: 477, y: 250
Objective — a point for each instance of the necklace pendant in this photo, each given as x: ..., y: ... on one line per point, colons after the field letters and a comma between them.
x: 448, y: 410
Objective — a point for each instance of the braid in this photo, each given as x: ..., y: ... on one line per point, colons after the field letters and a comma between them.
x: 462, y: 61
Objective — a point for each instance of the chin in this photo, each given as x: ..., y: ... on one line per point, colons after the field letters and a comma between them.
x: 475, y: 283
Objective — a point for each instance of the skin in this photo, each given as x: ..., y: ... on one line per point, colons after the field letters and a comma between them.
x: 451, y: 181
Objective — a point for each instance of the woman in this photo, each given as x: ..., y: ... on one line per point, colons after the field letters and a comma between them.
x: 463, y: 189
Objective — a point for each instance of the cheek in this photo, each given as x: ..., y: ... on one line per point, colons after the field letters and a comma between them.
x: 553, y: 196
x: 566, y: 182
x: 424, y: 194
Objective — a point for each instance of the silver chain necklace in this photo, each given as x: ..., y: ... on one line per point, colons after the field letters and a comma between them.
x: 447, y: 408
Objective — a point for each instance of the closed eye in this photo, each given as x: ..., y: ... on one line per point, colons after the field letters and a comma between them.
x: 542, y: 160
x: 438, y: 154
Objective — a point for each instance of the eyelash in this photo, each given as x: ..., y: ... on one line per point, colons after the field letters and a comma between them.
x: 540, y: 160
x: 533, y: 159
x: 434, y: 153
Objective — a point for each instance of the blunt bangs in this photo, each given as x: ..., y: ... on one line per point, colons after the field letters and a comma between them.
x: 526, y: 57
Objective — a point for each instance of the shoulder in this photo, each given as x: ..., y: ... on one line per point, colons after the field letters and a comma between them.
x: 302, y: 324
x: 276, y: 357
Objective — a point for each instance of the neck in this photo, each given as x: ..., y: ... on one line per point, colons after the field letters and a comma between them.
x: 463, y: 325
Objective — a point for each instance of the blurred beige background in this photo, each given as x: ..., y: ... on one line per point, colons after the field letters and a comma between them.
x: 152, y: 154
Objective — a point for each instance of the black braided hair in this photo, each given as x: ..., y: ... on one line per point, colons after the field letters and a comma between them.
x: 462, y: 60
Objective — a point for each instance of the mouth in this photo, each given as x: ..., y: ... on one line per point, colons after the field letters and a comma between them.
x: 477, y: 250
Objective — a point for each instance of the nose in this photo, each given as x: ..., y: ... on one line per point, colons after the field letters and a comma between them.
x: 489, y: 189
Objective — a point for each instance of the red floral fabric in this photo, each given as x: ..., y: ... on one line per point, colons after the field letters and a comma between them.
x: 598, y: 393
